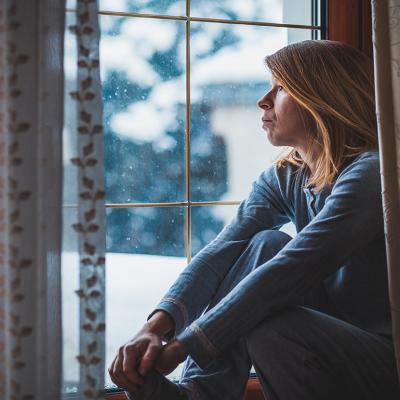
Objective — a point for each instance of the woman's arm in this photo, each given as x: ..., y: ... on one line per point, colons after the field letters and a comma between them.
x: 265, y: 208
x: 187, y: 298
x: 350, y: 219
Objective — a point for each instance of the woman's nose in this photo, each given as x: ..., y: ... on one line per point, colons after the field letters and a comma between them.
x: 264, y: 102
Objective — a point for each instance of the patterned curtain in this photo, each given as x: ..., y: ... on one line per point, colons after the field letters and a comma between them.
x: 90, y: 194
x: 31, y: 115
x: 31, y: 178
x: 386, y: 41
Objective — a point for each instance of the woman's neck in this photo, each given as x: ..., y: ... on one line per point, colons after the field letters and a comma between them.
x: 309, y: 157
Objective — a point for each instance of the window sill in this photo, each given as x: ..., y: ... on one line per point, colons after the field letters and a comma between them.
x: 254, y: 392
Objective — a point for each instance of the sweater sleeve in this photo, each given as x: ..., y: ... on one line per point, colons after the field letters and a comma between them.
x: 351, y: 218
x: 265, y: 208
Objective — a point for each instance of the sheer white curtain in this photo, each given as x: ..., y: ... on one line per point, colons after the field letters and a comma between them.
x: 386, y: 41
x: 31, y: 177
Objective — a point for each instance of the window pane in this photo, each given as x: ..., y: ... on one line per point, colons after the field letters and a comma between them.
x: 70, y: 301
x: 137, y: 277
x: 145, y: 256
x: 277, y: 11
x: 146, y: 230
x: 229, y: 149
x: 207, y: 222
x: 135, y: 285
x: 144, y: 113
x: 69, y: 257
x: 165, y: 7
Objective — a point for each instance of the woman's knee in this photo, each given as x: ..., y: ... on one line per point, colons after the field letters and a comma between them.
x: 269, y: 242
x: 277, y: 328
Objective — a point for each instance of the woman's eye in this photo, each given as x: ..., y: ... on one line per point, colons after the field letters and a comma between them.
x: 279, y: 88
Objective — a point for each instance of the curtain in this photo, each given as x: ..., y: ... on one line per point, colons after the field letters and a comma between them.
x: 31, y: 199
x: 90, y: 199
x: 386, y: 45
x: 31, y: 115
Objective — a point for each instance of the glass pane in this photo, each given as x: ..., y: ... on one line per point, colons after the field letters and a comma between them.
x: 144, y: 94
x: 131, y: 289
x: 146, y: 230
x: 69, y: 257
x: 145, y: 256
x: 207, y: 222
x: 276, y: 11
x: 164, y: 7
x: 229, y: 149
x: 70, y: 137
x: 70, y: 301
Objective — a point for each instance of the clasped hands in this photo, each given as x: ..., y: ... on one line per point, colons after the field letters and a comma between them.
x: 142, y: 354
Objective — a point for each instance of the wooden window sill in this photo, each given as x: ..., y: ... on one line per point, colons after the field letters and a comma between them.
x: 253, y: 392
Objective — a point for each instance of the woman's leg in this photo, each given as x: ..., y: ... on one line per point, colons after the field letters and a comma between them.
x: 226, y: 378
x: 303, y: 354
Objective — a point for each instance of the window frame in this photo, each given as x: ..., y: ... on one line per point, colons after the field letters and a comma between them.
x: 350, y: 21
x: 347, y: 21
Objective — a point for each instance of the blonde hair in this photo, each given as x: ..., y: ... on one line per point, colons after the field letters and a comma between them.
x: 333, y: 84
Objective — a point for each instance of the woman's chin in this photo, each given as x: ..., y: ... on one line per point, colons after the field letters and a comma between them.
x: 272, y: 139
x: 276, y: 141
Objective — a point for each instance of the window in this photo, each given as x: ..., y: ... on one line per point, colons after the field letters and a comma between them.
x: 183, y: 140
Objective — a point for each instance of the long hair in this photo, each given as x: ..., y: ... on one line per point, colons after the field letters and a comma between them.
x: 332, y: 83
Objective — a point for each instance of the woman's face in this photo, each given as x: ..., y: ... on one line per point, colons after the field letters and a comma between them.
x: 282, y: 119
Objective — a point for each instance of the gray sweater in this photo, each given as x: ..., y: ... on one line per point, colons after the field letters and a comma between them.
x: 335, y: 264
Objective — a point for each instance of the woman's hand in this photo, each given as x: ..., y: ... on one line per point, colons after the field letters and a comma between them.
x: 137, y: 357
x: 173, y: 353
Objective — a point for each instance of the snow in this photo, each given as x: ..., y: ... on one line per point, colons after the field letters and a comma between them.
x: 134, y: 285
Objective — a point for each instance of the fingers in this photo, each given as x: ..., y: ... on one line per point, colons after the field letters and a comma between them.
x: 118, y: 372
x: 134, y: 360
x: 123, y: 383
x: 148, y: 360
x: 130, y: 363
x: 114, y: 377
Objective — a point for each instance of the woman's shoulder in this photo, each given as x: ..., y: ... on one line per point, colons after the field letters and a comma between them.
x: 368, y: 155
x: 367, y: 161
x: 287, y: 178
x: 361, y: 176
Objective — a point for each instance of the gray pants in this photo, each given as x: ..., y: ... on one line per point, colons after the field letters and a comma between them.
x: 299, y: 353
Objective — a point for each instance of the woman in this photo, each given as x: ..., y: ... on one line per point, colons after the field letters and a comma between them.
x: 311, y: 313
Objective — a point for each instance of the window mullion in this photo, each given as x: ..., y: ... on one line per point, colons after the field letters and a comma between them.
x: 188, y: 198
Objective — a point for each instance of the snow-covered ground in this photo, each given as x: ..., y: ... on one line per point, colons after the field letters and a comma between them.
x: 134, y: 285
